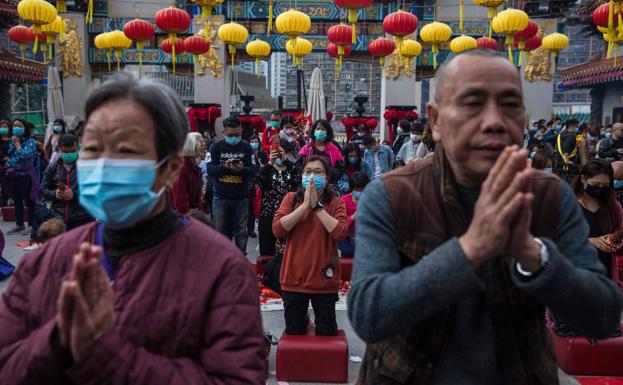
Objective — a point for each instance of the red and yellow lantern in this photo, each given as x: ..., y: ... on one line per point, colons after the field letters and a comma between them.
x: 173, y: 21
x: 487, y: 42
x: 400, y: 24
x: 21, y: 35
x: 196, y: 45
x: 141, y: 32
x: 381, y: 47
x: 340, y: 35
x: 530, y: 31
x: 353, y: 7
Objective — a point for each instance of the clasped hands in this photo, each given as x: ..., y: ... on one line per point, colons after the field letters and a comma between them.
x: 86, y: 304
x: 311, y: 195
x: 503, y: 215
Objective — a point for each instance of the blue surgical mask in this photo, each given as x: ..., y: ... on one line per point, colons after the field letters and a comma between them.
x: 356, y: 194
x: 548, y: 170
x: 118, y: 192
x: 255, y: 145
x: 320, y: 135
x: 4, y: 131
x: 558, y: 127
x: 353, y: 160
x: 232, y: 140
x: 618, y: 184
x: 18, y: 131
x: 319, y: 181
x: 278, y: 162
x: 57, y: 129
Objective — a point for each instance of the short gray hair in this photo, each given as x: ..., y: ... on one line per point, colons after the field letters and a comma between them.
x: 440, y: 76
x: 162, y: 103
x: 191, y: 144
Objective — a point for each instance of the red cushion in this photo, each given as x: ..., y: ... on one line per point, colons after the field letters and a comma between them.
x: 311, y: 358
x: 577, y: 356
x: 346, y: 264
x: 8, y: 213
x: 260, y: 264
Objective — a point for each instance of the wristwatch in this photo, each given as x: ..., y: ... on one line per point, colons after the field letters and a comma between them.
x: 318, y: 207
x: 544, y: 252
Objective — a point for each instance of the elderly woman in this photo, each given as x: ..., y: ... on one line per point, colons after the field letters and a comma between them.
x: 187, y: 191
x: 145, y: 296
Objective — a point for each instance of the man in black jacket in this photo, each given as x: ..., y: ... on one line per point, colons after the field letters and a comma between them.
x: 613, y: 147
x: 60, y: 185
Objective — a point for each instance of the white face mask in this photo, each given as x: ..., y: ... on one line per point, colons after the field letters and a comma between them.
x: 416, y: 137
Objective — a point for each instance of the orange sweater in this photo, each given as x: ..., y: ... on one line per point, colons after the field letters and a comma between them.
x: 311, y: 254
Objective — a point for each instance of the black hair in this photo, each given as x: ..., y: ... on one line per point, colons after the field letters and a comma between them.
x: 358, y: 180
x: 287, y: 146
x: 608, y: 205
x: 368, y: 141
x: 161, y: 102
x: 231, y: 122
x: 350, y: 147
x: 276, y: 112
x: 67, y: 140
x: 326, y: 125
x: 417, y: 127
x: 254, y: 137
x: 572, y: 122
x: 28, y: 127
x: 288, y: 119
x: 404, y: 124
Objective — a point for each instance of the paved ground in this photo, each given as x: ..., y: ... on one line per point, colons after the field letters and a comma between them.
x: 273, y: 321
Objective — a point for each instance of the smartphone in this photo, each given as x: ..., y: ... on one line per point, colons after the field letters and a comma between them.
x: 275, y: 146
x: 63, y: 187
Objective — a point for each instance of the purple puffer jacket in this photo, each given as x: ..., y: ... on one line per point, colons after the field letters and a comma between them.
x: 187, y: 313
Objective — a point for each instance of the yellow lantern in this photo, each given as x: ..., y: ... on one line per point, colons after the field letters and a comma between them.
x: 206, y: 6
x: 101, y: 43
x: 509, y: 22
x: 555, y: 42
x: 61, y: 6
x: 37, y: 13
x: 299, y: 49
x: 463, y: 43
x: 434, y: 34
x: 293, y: 23
x: 410, y: 49
x: 55, y: 28
x: 259, y: 49
x: 232, y: 34
x: 492, y: 8
x: 118, y: 41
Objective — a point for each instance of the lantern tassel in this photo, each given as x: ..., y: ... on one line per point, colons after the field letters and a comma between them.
x: 382, y: 62
x: 118, y: 56
x: 22, y: 48
x: 61, y: 5
x: 491, y: 14
x: 609, y: 54
x: 509, y: 43
x: 352, y: 19
x: 270, y: 16
x: 173, y: 40
x: 461, y: 15
x: 554, y: 62
x: 257, y: 67
x: 89, y: 17
x: 139, y: 47
x: 50, y: 49
x: 435, y: 49
x: 36, y: 45
x: 108, y: 60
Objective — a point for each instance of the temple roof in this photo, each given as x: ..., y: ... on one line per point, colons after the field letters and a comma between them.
x: 14, y: 68
x: 593, y: 72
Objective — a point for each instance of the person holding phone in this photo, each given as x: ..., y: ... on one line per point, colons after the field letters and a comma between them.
x: 232, y: 169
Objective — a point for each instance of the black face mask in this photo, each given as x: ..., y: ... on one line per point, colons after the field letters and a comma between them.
x: 596, y: 192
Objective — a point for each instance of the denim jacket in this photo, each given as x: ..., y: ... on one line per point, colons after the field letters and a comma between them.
x: 386, y: 157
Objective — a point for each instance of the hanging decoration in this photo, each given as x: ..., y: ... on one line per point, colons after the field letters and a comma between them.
x: 492, y: 8
x: 55, y: 28
x: 381, y: 48
x: 293, y: 23
x: 510, y: 22
x: 555, y: 42
x: 409, y: 49
x: 116, y: 40
x: 530, y: 45
x: 338, y: 53
x: 435, y: 34
x: 37, y: 13
x: 258, y: 49
x: 196, y: 45
x: 101, y: 43
x: 340, y: 35
x: 21, y: 35
x: 299, y: 50
x: 522, y: 36
x: 178, y: 47
x: 43, y: 39
x: 232, y: 34
x: 353, y: 7
x: 608, y: 18
x: 141, y: 32
x: 269, y: 28
x: 206, y: 6
x: 463, y: 43
x: 487, y: 42
x: 61, y: 6
x: 613, y: 42
x: 173, y: 21
x: 400, y: 24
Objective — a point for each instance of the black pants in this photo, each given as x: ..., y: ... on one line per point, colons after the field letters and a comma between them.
x: 296, y: 305
x: 20, y: 191
x: 251, y: 223
x: 266, y: 238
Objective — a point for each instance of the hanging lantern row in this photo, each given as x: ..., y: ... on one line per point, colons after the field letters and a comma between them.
x: 37, y: 13
x: 173, y: 21
x: 353, y: 7
x: 258, y: 49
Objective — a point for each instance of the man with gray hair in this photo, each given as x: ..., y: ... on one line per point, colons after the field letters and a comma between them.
x: 458, y: 254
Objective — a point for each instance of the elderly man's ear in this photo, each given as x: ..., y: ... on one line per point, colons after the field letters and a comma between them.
x: 171, y: 172
x: 432, y: 114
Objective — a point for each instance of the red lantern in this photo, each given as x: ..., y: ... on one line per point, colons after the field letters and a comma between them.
x: 139, y: 31
x: 381, y: 47
x: 168, y: 48
x: 173, y: 21
x: 601, y: 15
x: 340, y: 34
x: 527, y: 33
x: 197, y: 45
x: 333, y: 50
x: 400, y: 24
x: 486, y: 42
x: 22, y: 35
x: 42, y: 38
x: 353, y: 7
x: 533, y: 43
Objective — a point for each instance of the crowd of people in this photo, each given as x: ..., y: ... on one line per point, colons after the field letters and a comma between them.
x: 460, y: 218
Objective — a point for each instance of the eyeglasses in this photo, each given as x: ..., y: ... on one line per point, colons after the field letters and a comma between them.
x: 315, y: 172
